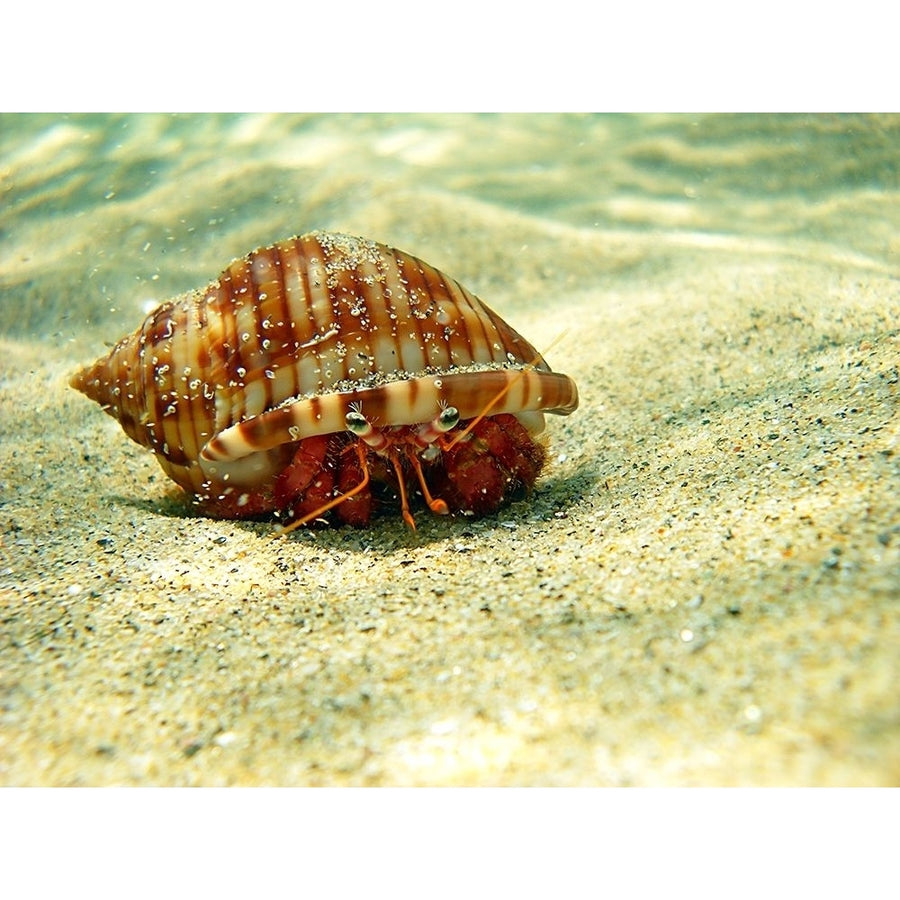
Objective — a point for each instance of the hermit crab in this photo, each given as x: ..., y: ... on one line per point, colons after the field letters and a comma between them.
x: 326, y: 374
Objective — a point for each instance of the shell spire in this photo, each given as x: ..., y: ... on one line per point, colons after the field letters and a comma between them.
x: 113, y: 382
x: 157, y: 383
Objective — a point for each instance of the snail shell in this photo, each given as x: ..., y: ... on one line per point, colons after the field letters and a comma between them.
x: 222, y: 383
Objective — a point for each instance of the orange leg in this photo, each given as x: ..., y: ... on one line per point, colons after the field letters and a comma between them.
x: 435, y: 505
x: 404, y: 503
x: 361, y: 451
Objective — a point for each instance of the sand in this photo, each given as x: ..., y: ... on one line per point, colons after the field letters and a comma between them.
x: 703, y: 588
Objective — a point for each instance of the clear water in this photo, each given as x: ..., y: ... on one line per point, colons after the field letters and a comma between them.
x: 99, y: 209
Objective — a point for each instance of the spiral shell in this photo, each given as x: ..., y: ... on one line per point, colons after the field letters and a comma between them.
x: 221, y: 383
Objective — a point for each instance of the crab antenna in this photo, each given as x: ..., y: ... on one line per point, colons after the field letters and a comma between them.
x: 501, y: 394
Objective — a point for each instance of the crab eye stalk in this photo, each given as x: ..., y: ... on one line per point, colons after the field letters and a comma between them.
x: 357, y: 423
x: 449, y: 418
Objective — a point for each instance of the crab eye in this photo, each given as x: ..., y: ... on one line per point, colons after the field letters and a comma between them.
x: 356, y: 422
x: 448, y: 418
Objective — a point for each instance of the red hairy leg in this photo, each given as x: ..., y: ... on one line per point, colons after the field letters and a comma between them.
x: 509, y: 441
x: 307, y: 483
x: 484, y: 470
x: 357, y: 508
x: 334, y: 501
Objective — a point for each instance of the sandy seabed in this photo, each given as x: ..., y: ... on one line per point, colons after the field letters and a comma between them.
x: 703, y: 588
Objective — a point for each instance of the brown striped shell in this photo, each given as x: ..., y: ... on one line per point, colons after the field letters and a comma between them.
x: 223, y: 382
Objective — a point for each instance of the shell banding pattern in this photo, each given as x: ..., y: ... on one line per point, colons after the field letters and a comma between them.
x: 325, y: 359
